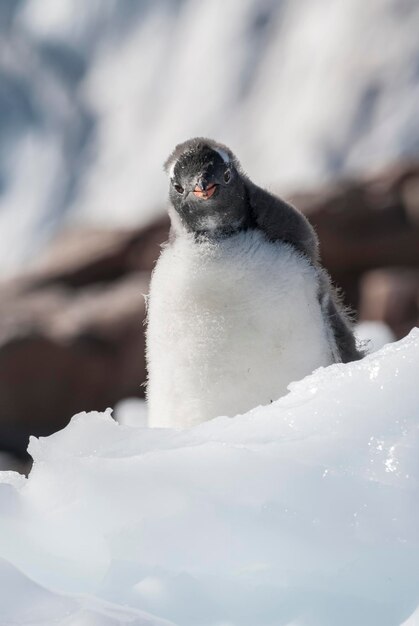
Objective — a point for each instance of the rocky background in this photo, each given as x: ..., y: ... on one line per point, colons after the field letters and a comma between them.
x: 72, y: 333
x: 314, y: 97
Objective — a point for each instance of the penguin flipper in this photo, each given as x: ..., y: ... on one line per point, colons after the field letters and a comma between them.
x: 280, y: 221
x: 345, y: 348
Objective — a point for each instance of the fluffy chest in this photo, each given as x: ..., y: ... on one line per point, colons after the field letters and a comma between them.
x: 238, y: 286
x: 233, y: 322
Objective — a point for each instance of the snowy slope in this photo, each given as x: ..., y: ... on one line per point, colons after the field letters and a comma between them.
x: 93, y: 96
x: 301, y: 513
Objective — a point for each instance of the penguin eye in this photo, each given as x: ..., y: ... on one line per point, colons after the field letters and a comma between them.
x: 178, y: 188
x: 227, y: 176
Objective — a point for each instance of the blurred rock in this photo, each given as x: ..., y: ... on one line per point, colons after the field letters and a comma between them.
x: 71, y: 334
x: 83, y: 257
x: 365, y: 224
x: 391, y: 296
x: 63, y: 351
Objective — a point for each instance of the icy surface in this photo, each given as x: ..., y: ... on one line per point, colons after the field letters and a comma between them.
x: 301, y: 513
x: 96, y: 94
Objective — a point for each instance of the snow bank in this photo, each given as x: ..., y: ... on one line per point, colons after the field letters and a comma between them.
x: 301, y: 513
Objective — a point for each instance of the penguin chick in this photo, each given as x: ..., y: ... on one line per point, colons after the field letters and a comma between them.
x: 239, y: 305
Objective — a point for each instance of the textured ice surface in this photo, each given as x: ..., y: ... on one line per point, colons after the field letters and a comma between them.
x: 301, y: 513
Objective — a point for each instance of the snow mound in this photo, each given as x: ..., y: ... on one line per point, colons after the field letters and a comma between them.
x: 301, y: 513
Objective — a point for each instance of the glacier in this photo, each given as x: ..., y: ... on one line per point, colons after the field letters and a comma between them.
x: 304, y: 512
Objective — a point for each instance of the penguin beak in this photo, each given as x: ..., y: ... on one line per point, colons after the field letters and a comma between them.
x: 204, y: 190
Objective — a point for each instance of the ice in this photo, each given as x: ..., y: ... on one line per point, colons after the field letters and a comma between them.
x: 301, y: 513
x: 42, y: 607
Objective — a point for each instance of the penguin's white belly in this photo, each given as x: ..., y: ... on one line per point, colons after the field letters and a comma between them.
x: 230, y: 325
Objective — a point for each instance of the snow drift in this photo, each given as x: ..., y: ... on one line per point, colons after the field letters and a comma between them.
x: 304, y: 512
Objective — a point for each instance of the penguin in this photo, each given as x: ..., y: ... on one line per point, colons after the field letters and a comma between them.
x: 239, y: 305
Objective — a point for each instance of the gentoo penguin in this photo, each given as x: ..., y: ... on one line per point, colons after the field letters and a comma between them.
x: 239, y: 305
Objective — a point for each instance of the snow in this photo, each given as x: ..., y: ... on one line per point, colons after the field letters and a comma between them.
x: 131, y: 412
x: 301, y: 513
x: 373, y: 335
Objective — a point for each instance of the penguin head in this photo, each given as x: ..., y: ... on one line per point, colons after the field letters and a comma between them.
x: 207, y: 190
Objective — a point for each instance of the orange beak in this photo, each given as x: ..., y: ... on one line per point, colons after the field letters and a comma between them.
x: 204, y: 193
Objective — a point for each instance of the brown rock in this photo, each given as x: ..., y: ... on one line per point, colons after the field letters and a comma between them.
x: 84, y: 257
x: 63, y: 351
x: 391, y: 296
x: 366, y: 224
